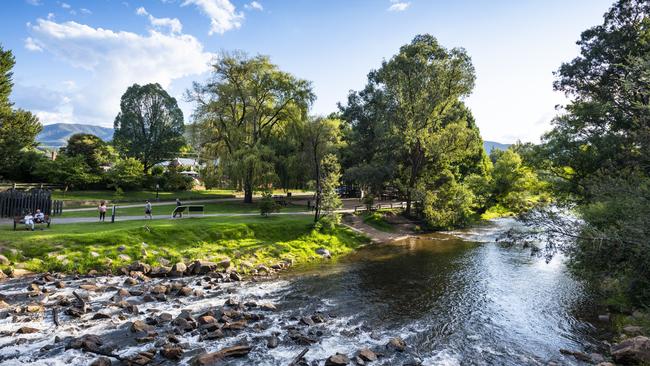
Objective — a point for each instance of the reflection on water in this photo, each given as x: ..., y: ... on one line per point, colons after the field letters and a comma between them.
x: 460, y: 298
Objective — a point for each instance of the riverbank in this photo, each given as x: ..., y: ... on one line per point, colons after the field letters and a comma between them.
x: 247, y: 242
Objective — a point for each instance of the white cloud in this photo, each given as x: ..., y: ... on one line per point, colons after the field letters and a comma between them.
x: 50, y: 16
x: 222, y: 13
x: 254, y: 5
x: 65, y: 6
x: 32, y: 45
x: 398, y: 5
x: 174, y: 25
x: 85, y: 11
x: 114, y: 61
x: 34, y: 2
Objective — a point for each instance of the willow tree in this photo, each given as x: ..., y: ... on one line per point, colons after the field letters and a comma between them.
x: 246, y: 102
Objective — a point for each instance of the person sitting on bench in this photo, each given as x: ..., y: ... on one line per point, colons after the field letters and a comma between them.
x: 39, y: 217
x: 29, y: 221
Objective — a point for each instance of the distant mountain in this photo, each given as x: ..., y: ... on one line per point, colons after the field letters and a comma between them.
x: 57, y: 134
x: 490, y: 145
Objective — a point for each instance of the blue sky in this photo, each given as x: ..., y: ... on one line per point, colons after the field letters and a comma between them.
x: 76, y: 58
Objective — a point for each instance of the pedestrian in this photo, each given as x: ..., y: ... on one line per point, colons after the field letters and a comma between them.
x: 176, y: 211
x: 147, y: 210
x: 102, y: 211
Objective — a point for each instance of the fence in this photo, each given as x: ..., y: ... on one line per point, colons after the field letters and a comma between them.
x: 379, y: 206
x: 14, y: 202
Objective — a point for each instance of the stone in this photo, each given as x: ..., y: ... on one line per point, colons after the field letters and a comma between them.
x: 633, y: 330
x: 27, y: 330
x: 34, y: 308
x: 272, y: 342
x: 235, y: 276
x: 124, y: 257
x: 324, y: 252
x: 101, y: 361
x: 268, y: 307
x: 199, y: 267
x: 87, y: 342
x: 225, y: 263
x: 4, y: 260
x: 159, y: 289
x: 307, y: 321
x: 172, y: 352
x: 632, y: 351
x: 159, y: 271
x: 338, y: 359
x: 140, y: 326
x: 178, y: 269
x: 213, y: 358
x: 185, y: 291
x: 396, y: 344
x: 59, y: 284
x: 206, y: 319
x: 138, y: 266
x: 163, y: 262
x: 94, y: 254
x: 130, y: 281
x: 262, y: 268
x: 121, y: 248
x: 33, y: 288
x: 367, y: 355
x: 89, y: 287
x: 99, y: 316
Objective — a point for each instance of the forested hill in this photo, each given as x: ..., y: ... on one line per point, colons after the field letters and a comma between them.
x: 57, y: 134
x: 491, y: 145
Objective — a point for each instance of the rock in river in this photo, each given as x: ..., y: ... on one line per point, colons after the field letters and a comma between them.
x: 338, y: 359
x: 632, y: 351
x: 397, y: 344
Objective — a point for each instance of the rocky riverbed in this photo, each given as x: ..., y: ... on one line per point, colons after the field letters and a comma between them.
x: 197, y: 315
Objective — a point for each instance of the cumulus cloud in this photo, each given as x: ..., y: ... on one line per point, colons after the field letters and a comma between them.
x: 65, y: 6
x: 85, y: 11
x: 174, y: 25
x: 114, y: 61
x: 398, y: 5
x: 34, y: 2
x: 32, y: 45
x: 254, y: 5
x: 222, y: 13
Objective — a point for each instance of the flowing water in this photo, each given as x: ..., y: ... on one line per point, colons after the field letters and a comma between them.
x: 455, y: 298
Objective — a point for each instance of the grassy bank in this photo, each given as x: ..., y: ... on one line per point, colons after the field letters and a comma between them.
x: 254, y: 240
x: 377, y: 220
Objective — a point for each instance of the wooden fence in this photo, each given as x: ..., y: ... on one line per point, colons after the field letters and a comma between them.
x: 16, y: 203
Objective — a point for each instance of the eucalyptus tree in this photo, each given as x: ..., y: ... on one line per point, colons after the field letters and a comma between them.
x: 246, y: 102
x: 149, y: 126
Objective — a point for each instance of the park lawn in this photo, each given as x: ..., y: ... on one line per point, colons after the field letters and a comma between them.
x: 210, y: 208
x: 140, y: 196
x: 376, y: 219
x: 250, y: 240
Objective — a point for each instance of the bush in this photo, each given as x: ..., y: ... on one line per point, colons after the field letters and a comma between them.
x: 172, y: 180
x: 267, y: 204
x: 448, y: 207
x: 126, y: 174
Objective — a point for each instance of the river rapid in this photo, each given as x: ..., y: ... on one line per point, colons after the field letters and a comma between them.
x: 457, y: 298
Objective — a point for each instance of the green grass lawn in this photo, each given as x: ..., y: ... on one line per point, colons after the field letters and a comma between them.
x: 140, y: 196
x: 376, y: 220
x: 253, y: 240
x: 210, y: 208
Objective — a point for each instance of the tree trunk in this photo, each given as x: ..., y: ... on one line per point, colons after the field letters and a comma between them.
x: 318, y: 193
x: 408, y: 202
x: 248, y: 186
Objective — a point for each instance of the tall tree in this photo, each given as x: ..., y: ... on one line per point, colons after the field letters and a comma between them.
x: 95, y: 152
x: 18, y: 128
x: 246, y: 101
x: 322, y: 138
x: 149, y: 126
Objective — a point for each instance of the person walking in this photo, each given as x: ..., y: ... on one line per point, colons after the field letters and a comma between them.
x: 102, y: 211
x: 176, y: 212
x: 147, y: 210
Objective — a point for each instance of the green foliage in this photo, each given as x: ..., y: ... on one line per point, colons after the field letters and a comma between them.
x: 149, y: 126
x: 126, y: 174
x: 267, y: 204
x: 248, y: 103
x: 95, y: 152
x: 449, y: 206
x: 329, y: 197
x: 18, y: 128
x: 369, y: 201
x: 172, y: 180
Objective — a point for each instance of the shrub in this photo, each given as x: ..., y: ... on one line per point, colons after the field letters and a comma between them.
x: 267, y: 204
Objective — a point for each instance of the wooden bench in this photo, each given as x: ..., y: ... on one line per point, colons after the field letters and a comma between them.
x: 189, y: 209
x: 20, y: 220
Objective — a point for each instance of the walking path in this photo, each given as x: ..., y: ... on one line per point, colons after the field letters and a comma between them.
x: 356, y: 223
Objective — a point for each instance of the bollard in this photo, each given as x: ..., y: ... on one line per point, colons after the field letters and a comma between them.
x: 113, y: 214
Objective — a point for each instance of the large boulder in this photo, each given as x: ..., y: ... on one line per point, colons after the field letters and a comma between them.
x: 338, y: 359
x: 632, y: 351
x: 199, y: 267
x: 178, y: 269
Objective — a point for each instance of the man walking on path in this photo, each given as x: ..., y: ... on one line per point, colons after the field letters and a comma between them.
x: 147, y: 210
x: 176, y: 212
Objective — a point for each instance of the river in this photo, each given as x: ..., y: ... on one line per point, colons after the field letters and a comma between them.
x: 455, y: 298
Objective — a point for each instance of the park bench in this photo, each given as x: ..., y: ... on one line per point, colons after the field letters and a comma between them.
x: 189, y: 209
x: 20, y: 220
